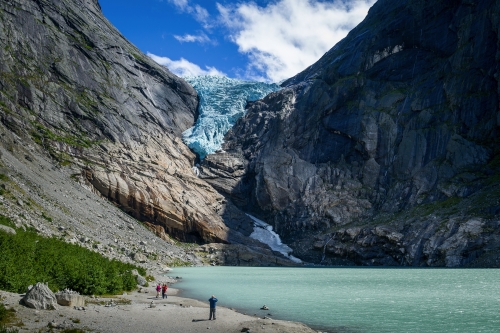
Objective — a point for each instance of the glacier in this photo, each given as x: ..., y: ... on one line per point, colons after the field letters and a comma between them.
x: 222, y: 103
x: 264, y: 233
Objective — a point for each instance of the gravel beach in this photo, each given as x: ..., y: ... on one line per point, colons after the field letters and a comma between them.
x: 144, y: 313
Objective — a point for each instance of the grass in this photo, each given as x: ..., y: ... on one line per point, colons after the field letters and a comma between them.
x: 42, y: 133
x: 447, y: 204
x: 7, y: 316
x: 6, y: 221
x: 3, y: 178
x: 46, y: 217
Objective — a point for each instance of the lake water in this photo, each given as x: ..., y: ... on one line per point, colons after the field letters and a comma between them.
x: 356, y: 299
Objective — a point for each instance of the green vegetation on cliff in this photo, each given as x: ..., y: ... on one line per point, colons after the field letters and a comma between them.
x: 27, y: 258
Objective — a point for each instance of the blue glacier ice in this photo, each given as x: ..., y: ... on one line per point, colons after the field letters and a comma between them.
x: 222, y: 103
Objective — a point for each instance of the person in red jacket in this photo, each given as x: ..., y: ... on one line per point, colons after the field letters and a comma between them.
x: 164, y: 290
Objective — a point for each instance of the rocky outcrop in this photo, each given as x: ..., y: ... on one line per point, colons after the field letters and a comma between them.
x: 71, y: 85
x: 385, y: 151
x: 40, y: 297
x: 240, y: 255
x: 73, y: 88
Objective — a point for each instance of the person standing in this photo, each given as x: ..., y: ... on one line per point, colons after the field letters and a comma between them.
x: 158, y: 289
x: 213, y: 304
x: 164, y: 290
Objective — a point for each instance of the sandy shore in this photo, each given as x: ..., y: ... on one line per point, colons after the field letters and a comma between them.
x: 173, y: 314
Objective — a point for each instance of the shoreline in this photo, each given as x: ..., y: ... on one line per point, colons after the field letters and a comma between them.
x: 173, y: 314
x: 242, y: 311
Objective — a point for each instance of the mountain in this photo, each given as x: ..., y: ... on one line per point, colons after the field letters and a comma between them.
x: 80, y: 104
x: 386, y: 151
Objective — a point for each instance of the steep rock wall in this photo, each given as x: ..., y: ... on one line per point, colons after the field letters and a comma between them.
x: 394, y: 131
x: 72, y: 84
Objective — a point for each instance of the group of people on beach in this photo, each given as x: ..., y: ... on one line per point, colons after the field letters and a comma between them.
x: 161, y: 288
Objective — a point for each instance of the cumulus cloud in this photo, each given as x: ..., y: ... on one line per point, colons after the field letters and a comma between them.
x: 202, y: 38
x: 185, y: 68
x: 287, y: 36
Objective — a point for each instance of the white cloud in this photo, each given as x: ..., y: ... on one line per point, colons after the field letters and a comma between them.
x: 202, y: 38
x: 287, y: 36
x: 181, y: 4
x: 185, y: 68
x: 199, y: 13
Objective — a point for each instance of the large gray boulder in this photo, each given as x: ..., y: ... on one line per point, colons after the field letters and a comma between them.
x: 40, y: 297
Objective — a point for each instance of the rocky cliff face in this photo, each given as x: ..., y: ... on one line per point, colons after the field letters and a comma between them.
x: 73, y: 87
x: 385, y: 151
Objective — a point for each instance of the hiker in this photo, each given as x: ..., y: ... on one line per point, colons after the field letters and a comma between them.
x: 158, y: 289
x: 164, y: 290
x: 213, y: 304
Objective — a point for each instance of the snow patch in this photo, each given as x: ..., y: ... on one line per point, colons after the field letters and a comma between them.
x: 264, y: 233
x: 196, y: 171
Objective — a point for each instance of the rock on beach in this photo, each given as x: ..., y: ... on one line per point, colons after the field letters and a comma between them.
x: 40, y: 297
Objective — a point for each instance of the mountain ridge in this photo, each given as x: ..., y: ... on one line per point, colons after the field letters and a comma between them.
x: 385, y: 151
x: 74, y: 91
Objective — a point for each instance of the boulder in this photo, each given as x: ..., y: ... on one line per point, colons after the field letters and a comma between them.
x: 40, y: 297
x: 141, y: 281
x: 139, y: 257
x: 8, y: 230
x: 67, y: 299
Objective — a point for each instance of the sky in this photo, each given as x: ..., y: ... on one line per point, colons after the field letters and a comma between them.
x: 259, y: 40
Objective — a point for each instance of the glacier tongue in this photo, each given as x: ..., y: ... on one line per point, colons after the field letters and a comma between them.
x: 264, y: 233
x: 222, y: 103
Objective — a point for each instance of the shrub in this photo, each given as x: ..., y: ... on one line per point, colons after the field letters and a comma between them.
x: 3, y: 312
x: 6, y: 316
x: 27, y: 258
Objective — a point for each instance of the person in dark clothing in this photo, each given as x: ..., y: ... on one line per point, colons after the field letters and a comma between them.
x: 213, y: 304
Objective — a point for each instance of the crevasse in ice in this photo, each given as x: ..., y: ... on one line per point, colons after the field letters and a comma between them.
x: 222, y: 103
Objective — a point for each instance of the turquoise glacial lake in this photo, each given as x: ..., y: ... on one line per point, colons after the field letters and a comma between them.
x: 356, y: 299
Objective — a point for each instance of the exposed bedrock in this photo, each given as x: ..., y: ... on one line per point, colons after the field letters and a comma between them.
x: 73, y: 86
x: 395, y: 128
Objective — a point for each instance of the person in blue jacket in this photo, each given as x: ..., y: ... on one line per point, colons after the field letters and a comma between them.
x: 213, y: 304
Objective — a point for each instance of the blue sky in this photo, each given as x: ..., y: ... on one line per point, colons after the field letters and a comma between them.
x: 263, y: 40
